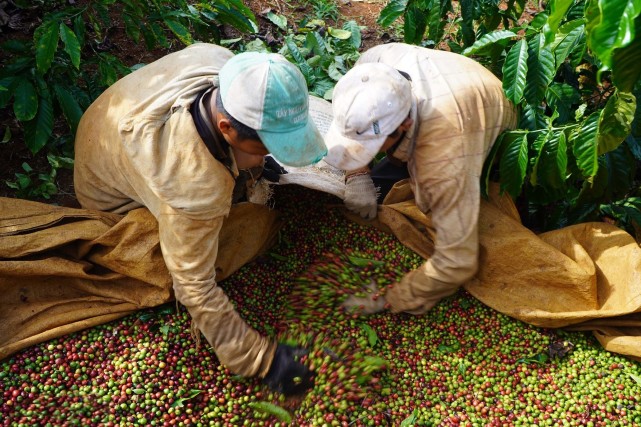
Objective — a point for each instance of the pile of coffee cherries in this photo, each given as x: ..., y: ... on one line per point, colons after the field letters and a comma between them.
x: 462, y: 363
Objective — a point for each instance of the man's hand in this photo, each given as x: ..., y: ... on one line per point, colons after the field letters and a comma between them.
x: 371, y: 303
x: 287, y: 375
x: 360, y: 195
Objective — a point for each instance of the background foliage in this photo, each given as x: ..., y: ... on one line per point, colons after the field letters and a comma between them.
x: 573, y: 70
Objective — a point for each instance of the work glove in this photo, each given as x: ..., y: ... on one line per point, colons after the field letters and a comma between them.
x: 372, y: 302
x: 287, y: 375
x: 360, y: 195
x: 272, y: 170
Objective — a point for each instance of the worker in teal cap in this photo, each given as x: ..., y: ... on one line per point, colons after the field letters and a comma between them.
x: 183, y: 136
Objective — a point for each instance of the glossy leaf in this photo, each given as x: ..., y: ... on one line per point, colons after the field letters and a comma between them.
x: 69, y: 106
x: 467, y: 21
x: 489, y: 163
x: 541, y: 70
x: 537, y: 148
x: 532, y: 117
x: 179, y: 30
x: 553, y: 162
x: 339, y: 33
x: 46, y: 45
x: 279, y: 20
x: 513, y: 166
x: 567, y: 39
x: 615, y: 122
x: 482, y: 45
x: 415, y: 23
x: 562, y: 97
x: 558, y: 10
x: 391, y: 12
x: 355, y: 31
x: 585, y: 146
x: 25, y: 101
x: 515, y: 72
x: 610, y: 26
x: 38, y: 130
x: 72, y: 45
x: 626, y: 62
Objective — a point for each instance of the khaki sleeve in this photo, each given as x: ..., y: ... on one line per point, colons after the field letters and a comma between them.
x: 455, y: 206
x: 190, y: 247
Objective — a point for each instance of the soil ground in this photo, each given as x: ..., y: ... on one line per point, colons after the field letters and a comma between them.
x: 21, y: 24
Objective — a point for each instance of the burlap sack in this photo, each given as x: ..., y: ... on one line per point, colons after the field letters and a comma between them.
x: 64, y: 269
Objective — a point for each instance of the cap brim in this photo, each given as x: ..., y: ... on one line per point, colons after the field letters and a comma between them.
x: 348, y: 154
x: 301, y: 147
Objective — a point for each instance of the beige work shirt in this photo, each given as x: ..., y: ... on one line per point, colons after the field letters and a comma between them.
x: 137, y: 145
x: 459, y: 110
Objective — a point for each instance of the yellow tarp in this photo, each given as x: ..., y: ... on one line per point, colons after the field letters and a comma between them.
x: 583, y: 277
x: 63, y: 269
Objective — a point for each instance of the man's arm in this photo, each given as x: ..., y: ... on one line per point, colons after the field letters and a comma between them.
x: 190, y: 248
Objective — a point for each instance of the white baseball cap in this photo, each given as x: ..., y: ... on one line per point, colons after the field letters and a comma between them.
x: 267, y: 93
x: 370, y: 102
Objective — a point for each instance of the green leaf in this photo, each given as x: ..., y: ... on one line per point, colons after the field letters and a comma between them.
x: 271, y: 409
x: 568, y: 37
x: 515, y: 71
x: 46, y: 45
x: 355, y: 31
x: 537, y: 148
x: 626, y: 62
x: 532, y: 117
x: 139, y: 390
x: 411, y: 420
x: 180, y: 31
x: 164, y: 329
x: 278, y: 257
x: 513, y: 164
x: 489, y: 163
x: 482, y: 45
x: 585, y: 146
x: 391, y: 12
x: 540, y: 358
x: 108, y: 74
x: 415, y: 23
x: 615, y: 123
x: 467, y: 21
x: 562, y: 97
x: 72, y: 45
x: 69, y: 106
x: 553, y: 162
x: 178, y: 403
x: 610, y: 26
x: 558, y: 9
x: 299, y: 58
x: 372, y: 338
x: 25, y: 104
x: 38, y: 130
x: 132, y: 28
x: 339, y: 34
x: 279, y: 20
x: 541, y: 70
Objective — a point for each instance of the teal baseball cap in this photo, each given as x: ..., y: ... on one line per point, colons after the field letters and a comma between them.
x: 269, y: 94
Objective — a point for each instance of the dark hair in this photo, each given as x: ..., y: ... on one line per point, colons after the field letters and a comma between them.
x: 244, y: 131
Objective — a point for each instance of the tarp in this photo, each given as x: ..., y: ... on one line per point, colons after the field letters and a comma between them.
x: 581, y: 277
x: 63, y: 269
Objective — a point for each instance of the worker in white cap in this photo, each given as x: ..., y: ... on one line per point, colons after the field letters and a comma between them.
x: 436, y: 115
x: 181, y: 136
